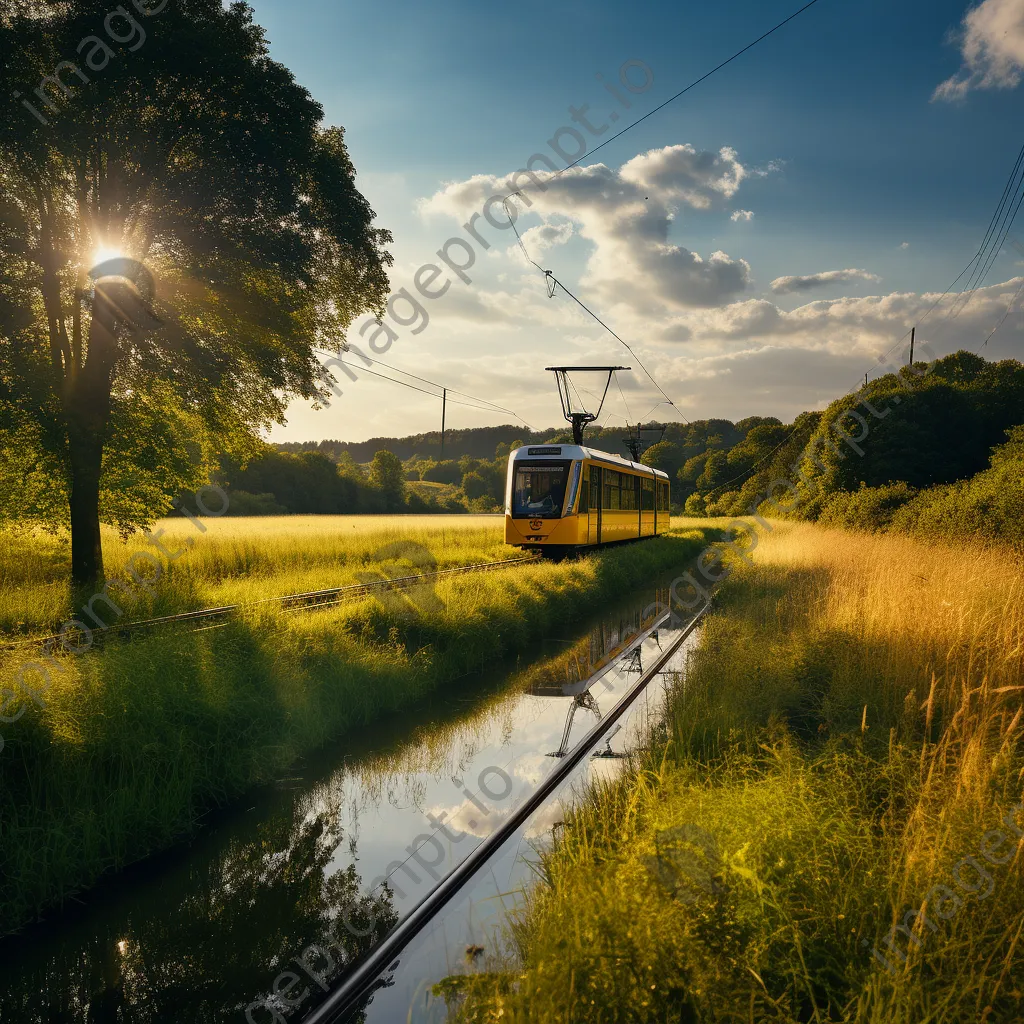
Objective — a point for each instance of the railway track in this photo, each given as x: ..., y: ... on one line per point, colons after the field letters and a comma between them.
x: 313, y: 600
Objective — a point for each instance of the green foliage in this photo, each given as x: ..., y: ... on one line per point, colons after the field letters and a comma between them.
x: 990, y: 504
x: 474, y: 485
x: 868, y: 508
x: 308, y: 484
x: 388, y: 476
x: 205, y: 160
x: 447, y: 472
x: 666, y: 456
x: 932, y: 429
x: 695, y: 505
x: 242, y: 503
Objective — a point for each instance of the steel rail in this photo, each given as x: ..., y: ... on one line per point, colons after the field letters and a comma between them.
x: 312, y: 600
x: 361, y: 979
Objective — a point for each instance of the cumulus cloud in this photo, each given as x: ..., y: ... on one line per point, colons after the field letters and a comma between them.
x: 785, y: 285
x: 904, y: 245
x: 626, y: 213
x: 738, y: 215
x: 992, y: 48
x: 546, y: 236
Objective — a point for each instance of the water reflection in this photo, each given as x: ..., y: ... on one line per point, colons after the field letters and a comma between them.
x: 201, y: 933
x: 207, y: 938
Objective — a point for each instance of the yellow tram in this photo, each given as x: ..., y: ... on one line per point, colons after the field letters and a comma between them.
x: 562, y: 498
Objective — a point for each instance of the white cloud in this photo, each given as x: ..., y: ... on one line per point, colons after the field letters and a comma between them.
x: 738, y: 215
x: 904, y: 245
x: 627, y: 214
x: 992, y: 48
x: 546, y: 236
x: 785, y: 285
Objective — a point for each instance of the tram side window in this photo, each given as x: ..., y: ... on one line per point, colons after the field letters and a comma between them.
x: 585, y: 494
x: 611, y: 489
x: 628, y: 493
x: 647, y: 496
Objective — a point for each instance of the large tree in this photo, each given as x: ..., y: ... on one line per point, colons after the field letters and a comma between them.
x: 171, y: 138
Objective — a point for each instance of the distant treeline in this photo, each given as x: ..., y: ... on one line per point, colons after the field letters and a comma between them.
x: 937, y: 459
x: 477, y: 443
x: 941, y: 455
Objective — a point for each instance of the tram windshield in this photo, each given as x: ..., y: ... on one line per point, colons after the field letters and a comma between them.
x: 539, y: 489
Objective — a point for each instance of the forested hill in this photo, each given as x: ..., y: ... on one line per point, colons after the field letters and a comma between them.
x: 476, y: 442
x: 481, y: 442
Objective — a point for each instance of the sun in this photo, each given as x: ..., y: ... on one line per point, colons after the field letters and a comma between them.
x: 104, y: 253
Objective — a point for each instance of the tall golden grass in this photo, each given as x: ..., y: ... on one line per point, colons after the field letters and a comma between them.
x: 848, y: 731
x: 236, y: 560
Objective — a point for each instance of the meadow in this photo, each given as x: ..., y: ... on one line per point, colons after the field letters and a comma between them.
x: 827, y: 826
x: 133, y: 741
x: 236, y: 560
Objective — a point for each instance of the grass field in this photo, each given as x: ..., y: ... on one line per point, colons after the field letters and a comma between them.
x: 850, y: 731
x: 131, y: 742
x: 237, y: 560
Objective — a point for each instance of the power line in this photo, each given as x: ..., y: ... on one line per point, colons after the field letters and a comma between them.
x: 406, y: 384
x: 452, y: 391
x: 1010, y: 190
x: 1009, y: 309
x: 1006, y: 202
x: 983, y: 258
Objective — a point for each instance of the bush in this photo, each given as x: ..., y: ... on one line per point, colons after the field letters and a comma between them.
x: 870, y: 508
x: 242, y: 503
x: 447, y: 472
x: 474, y: 485
x: 695, y: 505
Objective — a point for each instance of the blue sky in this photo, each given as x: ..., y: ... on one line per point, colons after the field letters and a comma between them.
x: 829, y: 135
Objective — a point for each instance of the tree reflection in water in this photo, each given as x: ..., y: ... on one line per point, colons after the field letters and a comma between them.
x: 212, y: 941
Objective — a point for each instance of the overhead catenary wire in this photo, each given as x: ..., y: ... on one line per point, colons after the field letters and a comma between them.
x: 550, y: 278
x: 682, y: 92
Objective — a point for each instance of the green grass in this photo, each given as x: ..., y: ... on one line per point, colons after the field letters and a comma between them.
x: 135, y: 740
x: 236, y: 560
x: 848, y: 731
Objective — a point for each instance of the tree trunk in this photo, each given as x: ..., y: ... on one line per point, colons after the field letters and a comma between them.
x: 87, y: 416
x: 86, y: 457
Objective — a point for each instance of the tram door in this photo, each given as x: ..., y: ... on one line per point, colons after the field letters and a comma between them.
x: 594, y: 522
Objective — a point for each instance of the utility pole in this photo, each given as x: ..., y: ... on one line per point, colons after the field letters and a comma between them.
x: 913, y: 334
x: 444, y: 403
x: 865, y: 380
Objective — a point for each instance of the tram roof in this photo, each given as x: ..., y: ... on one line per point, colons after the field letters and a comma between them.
x: 575, y: 451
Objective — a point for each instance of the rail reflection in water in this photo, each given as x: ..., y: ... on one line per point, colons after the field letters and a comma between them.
x: 472, y: 924
x: 204, y: 933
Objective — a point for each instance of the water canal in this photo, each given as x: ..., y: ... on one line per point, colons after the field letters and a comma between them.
x: 256, y: 917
